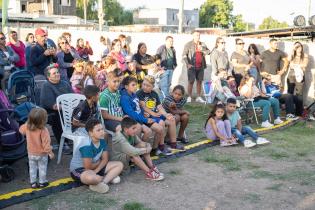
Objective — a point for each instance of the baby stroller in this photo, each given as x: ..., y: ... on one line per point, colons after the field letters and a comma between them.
x: 12, y: 144
x: 21, y: 93
x: 309, y: 112
x: 21, y: 86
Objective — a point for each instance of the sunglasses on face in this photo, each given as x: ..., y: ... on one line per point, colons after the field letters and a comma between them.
x: 241, y: 43
x: 63, y: 43
x: 222, y: 42
x: 2, y: 38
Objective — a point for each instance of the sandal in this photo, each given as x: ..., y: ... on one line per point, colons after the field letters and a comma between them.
x: 42, y: 185
x: 34, y: 185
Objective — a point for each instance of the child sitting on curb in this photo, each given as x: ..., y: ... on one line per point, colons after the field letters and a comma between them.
x: 238, y: 130
x: 127, y: 146
x: 90, y: 164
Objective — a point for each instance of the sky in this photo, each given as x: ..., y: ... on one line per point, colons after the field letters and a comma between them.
x: 253, y: 11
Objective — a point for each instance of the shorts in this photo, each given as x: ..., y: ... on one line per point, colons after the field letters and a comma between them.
x: 156, y: 120
x: 76, y: 173
x: 111, y: 125
x: 195, y: 74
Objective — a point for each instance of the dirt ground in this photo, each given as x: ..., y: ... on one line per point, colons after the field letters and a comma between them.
x: 277, y: 176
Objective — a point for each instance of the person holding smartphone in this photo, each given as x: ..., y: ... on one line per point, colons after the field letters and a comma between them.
x: 84, y: 51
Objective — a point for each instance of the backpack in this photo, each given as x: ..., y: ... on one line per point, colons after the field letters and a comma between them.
x: 9, y: 128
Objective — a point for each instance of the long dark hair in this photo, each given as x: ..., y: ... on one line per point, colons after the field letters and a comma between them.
x: 256, y: 52
x: 212, y: 113
x: 139, y: 46
x: 294, y: 51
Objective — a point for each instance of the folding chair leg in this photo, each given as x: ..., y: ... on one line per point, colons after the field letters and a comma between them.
x: 252, y: 103
x: 62, y: 141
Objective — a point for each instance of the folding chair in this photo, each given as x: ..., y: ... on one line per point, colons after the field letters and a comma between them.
x: 65, y: 104
x: 208, y: 92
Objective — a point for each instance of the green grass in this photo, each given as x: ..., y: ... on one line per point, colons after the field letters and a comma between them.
x: 73, y: 201
x: 134, y: 206
x: 198, y: 116
x: 227, y: 161
x: 299, y: 176
x: 293, y: 143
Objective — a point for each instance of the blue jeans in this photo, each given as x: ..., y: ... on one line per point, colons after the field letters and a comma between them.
x: 253, y: 72
x: 166, y: 81
x: 265, y: 106
x: 246, y: 130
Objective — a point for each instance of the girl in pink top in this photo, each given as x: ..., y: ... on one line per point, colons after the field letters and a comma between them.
x: 117, y: 55
x: 38, y: 146
x: 19, y: 48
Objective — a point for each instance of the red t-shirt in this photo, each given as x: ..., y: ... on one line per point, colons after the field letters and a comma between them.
x: 21, y: 53
x: 198, y: 56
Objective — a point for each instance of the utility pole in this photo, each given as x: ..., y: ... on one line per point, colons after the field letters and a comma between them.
x: 4, y: 15
x: 100, y: 15
x: 84, y: 10
x: 180, y: 16
x: 308, y: 10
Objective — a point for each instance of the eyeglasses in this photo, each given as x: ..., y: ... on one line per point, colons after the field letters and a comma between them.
x: 63, y: 43
x: 240, y: 43
x: 222, y: 42
x: 2, y: 38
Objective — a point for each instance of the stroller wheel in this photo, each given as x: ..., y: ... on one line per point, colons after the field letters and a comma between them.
x: 7, y: 174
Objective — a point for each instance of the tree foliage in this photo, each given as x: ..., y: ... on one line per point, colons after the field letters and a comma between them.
x: 238, y: 24
x: 270, y: 23
x: 115, y: 14
x: 216, y: 13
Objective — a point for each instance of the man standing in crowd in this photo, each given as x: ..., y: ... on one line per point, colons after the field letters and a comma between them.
x: 271, y: 62
x: 194, y: 58
x: 168, y: 62
x: 41, y: 55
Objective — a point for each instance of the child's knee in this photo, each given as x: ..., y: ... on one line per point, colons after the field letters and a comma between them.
x: 185, y: 117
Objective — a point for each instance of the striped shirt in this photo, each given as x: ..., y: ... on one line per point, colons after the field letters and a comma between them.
x: 110, y: 102
x: 169, y: 99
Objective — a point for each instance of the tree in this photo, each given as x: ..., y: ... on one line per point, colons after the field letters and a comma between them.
x: 238, y: 24
x: 216, y: 13
x: 270, y: 23
x: 114, y: 12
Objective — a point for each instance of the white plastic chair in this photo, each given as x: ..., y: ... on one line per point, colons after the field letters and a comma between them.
x: 65, y: 104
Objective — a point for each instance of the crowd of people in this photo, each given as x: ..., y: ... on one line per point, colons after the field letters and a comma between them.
x: 132, y: 94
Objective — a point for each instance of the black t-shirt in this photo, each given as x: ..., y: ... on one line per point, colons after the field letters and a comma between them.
x: 68, y: 58
x: 271, y: 61
x: 83, y: 112
x: 151, y: 100
x: 143, y: 60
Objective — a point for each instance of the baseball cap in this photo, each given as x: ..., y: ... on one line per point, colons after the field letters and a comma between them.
x: 40, y: 31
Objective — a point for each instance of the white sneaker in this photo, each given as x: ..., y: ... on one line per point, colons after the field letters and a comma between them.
x: 311, y: 118
x: 200, y: 100
x: 266, y: 124
x: 278, y: 121
x: 100, y: 187
x: 116, y: 180
x: 249, y: 143
x: 291, y: 117
x: 188, y: 99
x: 261, y: 141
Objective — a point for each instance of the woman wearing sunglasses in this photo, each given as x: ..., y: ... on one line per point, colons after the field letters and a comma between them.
x: 219, y: 58
x: 241, y: 61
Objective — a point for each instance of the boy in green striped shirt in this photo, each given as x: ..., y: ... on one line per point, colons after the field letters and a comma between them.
x: 110, y: 102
